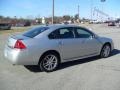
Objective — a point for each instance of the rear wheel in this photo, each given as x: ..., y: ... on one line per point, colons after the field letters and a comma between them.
x: 106, y: 50
x: 49, y: 62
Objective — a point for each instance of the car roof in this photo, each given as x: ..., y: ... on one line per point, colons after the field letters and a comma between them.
x: 56, y: 26
x: 61, y: 25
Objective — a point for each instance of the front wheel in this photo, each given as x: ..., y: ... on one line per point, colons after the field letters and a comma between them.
x: 106, y: 50
x: 49, y: 62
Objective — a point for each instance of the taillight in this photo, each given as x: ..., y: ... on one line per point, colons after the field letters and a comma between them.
x: 19, y: 45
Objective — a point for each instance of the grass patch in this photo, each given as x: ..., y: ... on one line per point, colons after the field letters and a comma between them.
x: 14, y: 30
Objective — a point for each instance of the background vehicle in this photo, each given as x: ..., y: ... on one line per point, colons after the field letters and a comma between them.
x: 27, y: 23
x: 5, y: 26
x: 111, y: 24
x: 48, y: 46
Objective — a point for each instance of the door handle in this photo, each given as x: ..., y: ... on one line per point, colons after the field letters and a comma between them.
x: 60, y: 43
x: 83, y: 41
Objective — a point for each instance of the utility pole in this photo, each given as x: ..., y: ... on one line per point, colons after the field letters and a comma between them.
x: 53, y: 12
x: 102, y: 1
x: 78, y: 12
x: 91, y: 9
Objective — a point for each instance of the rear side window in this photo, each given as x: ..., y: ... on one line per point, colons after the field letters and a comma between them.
x: 66, y: 33
x: 36, y: 31
x: 62, y: 33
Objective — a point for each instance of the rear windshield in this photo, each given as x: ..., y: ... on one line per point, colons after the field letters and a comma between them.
x: 35, y: 31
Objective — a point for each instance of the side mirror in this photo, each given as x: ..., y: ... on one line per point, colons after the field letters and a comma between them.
x: 91, y: 37
x: 94, y: 36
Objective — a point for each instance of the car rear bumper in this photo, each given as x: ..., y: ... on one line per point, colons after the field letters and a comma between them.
x: 18, y: 57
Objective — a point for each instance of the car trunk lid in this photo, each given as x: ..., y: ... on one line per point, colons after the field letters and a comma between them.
x: 11, y: 42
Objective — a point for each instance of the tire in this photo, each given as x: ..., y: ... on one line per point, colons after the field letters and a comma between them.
x: 105, y: 51
x: 49, y: 62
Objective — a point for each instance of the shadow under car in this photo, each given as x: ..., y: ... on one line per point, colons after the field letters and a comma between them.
x: 72, y: 63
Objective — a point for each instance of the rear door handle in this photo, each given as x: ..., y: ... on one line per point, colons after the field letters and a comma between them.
x: 60, y: 43
x: 83, y: 41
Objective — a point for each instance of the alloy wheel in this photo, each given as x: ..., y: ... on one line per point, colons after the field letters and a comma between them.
x: 106, y: 51
x: 50, y: 62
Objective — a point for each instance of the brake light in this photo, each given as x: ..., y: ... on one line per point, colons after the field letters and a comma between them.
x: 19, y: 45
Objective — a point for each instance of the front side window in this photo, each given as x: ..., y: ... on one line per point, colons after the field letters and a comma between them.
x: 62, y: 33
x: 82, y: 33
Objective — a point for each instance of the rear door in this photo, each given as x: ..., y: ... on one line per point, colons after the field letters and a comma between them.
x: 67, y: 44
x: 65, y: 39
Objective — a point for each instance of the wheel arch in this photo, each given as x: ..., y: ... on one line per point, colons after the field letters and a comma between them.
x: 107, y: 43
x: 50, y: 51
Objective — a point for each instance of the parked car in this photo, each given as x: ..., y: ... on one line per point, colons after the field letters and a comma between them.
x: 95, y: 22
x: 48, y: 46
x: 5, y: 26
x: 28, y: 23
x: 118, y: 24
x: 111, y: 24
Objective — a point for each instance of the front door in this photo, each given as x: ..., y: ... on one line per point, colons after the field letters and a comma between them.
x: 85, y: 42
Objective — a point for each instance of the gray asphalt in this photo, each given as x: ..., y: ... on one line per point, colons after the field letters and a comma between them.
x: 86, y: 74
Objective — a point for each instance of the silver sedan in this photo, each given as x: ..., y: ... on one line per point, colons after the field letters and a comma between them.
x: 48, y: 46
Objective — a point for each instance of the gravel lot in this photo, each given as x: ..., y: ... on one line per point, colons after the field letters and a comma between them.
x: 86, y: 74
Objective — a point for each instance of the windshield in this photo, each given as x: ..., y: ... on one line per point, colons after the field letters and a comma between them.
x: 35, y: 31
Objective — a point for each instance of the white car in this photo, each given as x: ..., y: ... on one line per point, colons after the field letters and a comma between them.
x: 48, y: 46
